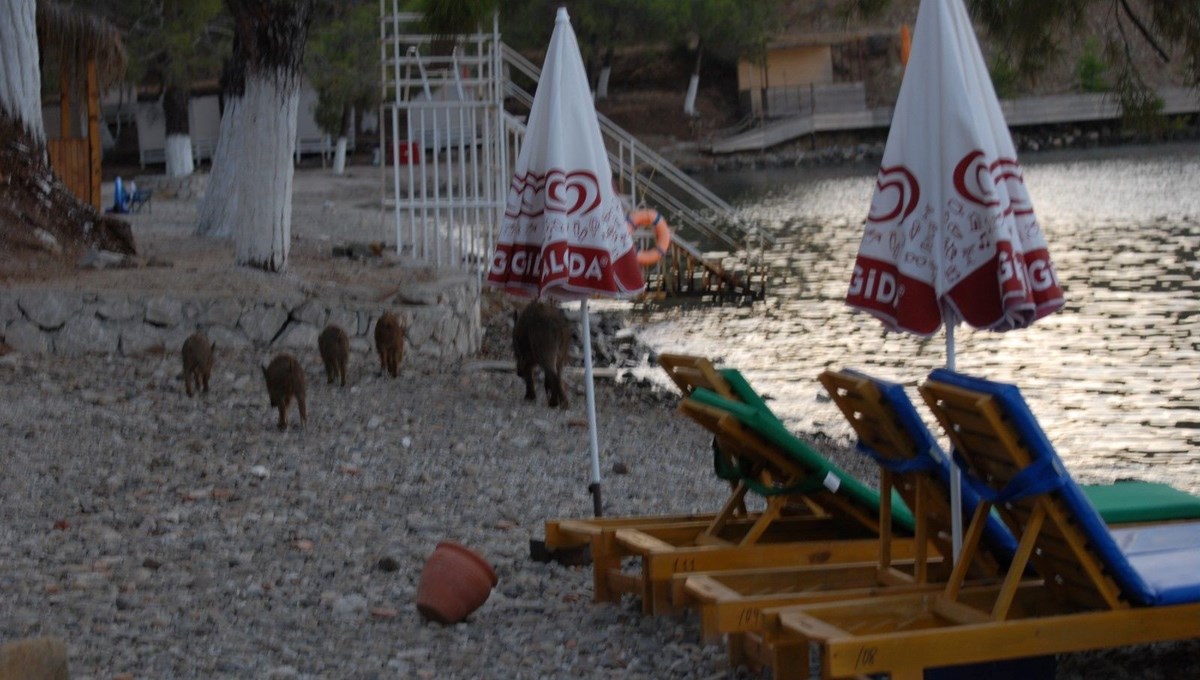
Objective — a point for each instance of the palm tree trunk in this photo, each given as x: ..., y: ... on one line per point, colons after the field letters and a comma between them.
x: 179, y: 139
x: 250, y: 191
x: 20, y: 77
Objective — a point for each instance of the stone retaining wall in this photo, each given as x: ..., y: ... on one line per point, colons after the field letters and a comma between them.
x: 443, y: 321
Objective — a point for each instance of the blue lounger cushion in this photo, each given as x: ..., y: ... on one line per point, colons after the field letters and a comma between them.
x: 1161, y: 566
x: 997, y: 536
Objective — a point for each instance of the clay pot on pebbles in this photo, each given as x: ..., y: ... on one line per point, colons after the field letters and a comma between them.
x: 455, y: 582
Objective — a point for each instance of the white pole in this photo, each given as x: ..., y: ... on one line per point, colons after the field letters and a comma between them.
x: 593, y: 441
x: 956, y: 518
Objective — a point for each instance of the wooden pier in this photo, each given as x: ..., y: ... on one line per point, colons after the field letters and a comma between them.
x: 686, y: 272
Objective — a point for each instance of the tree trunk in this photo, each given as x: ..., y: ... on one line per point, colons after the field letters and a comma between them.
x: 20, y: 77
x: 179, y: 140
x: 218, y: 208
x: 605, y: 72
x: 339, y: 154
x: 263, y: 221
x: 689, y: 104
x: 250, y: 191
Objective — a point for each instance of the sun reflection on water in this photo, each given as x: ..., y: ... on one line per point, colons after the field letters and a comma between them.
x: 1114, y: 377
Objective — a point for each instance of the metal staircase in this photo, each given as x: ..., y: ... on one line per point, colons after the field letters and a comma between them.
x: 451, y: 143
x: 691, y: 209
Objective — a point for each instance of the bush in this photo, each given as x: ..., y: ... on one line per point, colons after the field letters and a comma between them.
x: 1091, y: 68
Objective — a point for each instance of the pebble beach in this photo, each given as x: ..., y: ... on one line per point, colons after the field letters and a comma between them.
x: 162, y: 536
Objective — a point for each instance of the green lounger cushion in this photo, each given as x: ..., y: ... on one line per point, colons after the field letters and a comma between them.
x: 741, y: 387
x: 1120, y: 503
x: 1129, y: 502
x: 762, y: 421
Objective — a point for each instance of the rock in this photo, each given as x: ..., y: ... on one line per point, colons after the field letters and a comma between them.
x: 25, y: 337
x: 102, y: 259
x: 352, y: 606
x: 298, y: 336
x: 49, y: 310
x: 228, y: 337
x: 85, y: 334
x: 262, y: 323
x: 310, y: 312
x: 164, y: 311
x: 138, y: 338
x: 118, y: 308
x: 222, y: 313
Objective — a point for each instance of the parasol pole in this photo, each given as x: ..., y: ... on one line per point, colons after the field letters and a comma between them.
x: 956, y: 517
x: 593, y: 441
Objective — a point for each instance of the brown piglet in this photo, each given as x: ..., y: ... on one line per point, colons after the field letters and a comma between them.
x: 335, y: 351
x: 542, y: 337
x: 197, y: 356
x: 389, y: 342
x: 285, y: 381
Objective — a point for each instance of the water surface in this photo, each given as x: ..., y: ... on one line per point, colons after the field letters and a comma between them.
x: 1112, y: 377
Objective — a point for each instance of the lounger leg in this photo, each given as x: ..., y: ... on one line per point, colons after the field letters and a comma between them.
x: 604, y: 558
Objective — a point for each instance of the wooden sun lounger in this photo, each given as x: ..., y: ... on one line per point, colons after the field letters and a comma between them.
x: 887, y: 424
x: 1099, y: 587
x: 806, y: 523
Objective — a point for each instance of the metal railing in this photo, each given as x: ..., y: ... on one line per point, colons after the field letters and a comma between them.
x: 687, y: 204
x: 448, y: 148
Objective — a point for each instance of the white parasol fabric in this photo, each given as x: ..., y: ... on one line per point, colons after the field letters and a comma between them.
x: 951, y: 230
x: 951, y: 234
x: 564, y: 234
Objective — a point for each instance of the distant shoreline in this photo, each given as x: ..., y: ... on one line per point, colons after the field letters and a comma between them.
x: 867, y: 146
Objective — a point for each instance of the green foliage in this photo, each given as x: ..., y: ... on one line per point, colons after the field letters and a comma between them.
x: 445, y: 18
x: 171, y: 43
x: 1031, y: 31
x: 864, y: 9
x: 1091, y: 68
x: 1141, y: 107
x: 342, y: 62
x: 1005, y: 77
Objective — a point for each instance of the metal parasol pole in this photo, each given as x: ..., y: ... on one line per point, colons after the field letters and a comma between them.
x: 956, y: 518
x: 593, y: 441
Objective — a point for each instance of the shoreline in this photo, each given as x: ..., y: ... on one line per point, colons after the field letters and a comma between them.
x: 866, y: 147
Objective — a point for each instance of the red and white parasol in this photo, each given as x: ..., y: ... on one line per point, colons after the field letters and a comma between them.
x: 564, y: 234
x: 951, y: 234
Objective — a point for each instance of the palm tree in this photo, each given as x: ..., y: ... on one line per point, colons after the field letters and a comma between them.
x: 249, y: 194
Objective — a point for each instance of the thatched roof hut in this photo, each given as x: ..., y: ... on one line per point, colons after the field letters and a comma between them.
x: 68, y: 34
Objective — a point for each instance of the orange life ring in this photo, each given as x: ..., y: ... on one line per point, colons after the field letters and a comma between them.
x: 662, y: 235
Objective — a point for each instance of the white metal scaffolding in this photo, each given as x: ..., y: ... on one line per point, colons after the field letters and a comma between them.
x: 445, y: 146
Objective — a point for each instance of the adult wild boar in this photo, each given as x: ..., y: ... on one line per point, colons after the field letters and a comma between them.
x: 542, y: 337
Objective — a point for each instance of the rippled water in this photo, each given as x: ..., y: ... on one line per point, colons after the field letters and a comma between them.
x: 1113, y: 377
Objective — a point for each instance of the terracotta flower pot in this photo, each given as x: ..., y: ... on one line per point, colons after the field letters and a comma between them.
x: 454, y: 583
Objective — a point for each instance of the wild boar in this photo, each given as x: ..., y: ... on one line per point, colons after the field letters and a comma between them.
x: 389, y: 342
x: 285, y: 381
x: 335, y: 351
x: 542, y: 337
x: 197, y: 354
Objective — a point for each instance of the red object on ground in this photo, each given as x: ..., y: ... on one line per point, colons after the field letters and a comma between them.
x: 455, y: 582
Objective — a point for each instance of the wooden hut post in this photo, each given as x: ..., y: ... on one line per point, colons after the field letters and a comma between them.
x: 93, y: 132
x: 64, y: 99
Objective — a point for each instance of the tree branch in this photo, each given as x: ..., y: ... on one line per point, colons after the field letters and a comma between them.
x: 1144, y: 31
